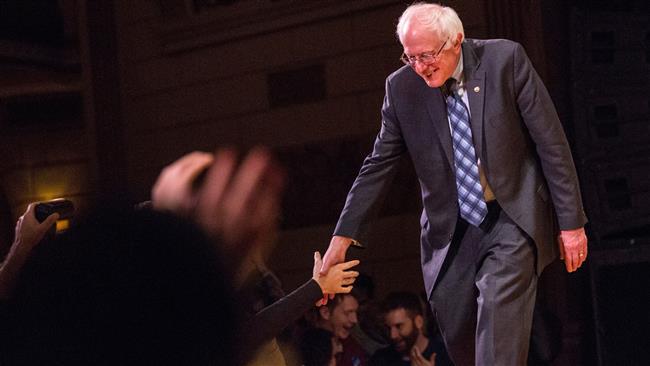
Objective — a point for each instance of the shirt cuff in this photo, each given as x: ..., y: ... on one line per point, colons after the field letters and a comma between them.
x: 356, y: 243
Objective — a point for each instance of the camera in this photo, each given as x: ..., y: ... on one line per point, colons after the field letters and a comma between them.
x: 64, y: 207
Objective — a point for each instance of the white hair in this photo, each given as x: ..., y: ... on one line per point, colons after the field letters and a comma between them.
x: 440, y: 20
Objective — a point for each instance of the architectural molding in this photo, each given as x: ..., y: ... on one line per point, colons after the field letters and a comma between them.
x: 244, y: 19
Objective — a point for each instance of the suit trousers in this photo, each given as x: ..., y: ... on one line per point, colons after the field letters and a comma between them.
x: 485, y: 293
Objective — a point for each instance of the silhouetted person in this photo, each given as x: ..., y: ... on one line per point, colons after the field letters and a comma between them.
x: 123, y: 288
x: 241, y: 205
x: 409, y: 345
x: 319, y: 347
x: 6, y: 224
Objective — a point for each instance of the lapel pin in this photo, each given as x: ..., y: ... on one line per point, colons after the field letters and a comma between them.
x: 477, y: 89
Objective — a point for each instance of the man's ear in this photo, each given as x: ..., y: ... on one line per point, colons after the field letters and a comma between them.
x: 419, y: 322
x: 458, y: 40
x: 324, y: 312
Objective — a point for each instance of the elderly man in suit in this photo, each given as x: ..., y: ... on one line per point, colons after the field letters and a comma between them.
x: 499, y: 187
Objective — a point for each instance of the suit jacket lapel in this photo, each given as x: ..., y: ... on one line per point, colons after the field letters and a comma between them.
x: 475, y: 87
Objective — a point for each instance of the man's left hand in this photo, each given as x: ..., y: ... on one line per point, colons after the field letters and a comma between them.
x: 573, y: 248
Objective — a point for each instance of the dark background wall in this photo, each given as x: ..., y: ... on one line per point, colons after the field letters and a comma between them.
x: 98, y: 96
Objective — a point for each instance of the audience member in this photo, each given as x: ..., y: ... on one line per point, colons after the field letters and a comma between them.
x: 29, y: 232
x: 6, y: 225
x: 259, y: 291
x: 369, y: 331
x: 147, y: 287
x: 409, y: 345
x: 270, y: 312
x: 339, y: 316
x: 319, y: 347
x: 123, y: 288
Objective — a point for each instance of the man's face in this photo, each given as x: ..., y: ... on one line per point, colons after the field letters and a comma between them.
x: 418, y: 40
x: 344, y: 316
x: 402, y: 330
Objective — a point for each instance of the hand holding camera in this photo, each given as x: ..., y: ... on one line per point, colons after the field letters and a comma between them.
x: 61, y: 206
x: 38, y: 220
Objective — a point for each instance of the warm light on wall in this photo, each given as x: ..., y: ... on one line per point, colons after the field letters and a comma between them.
x: 62, y: 225
x: 48, y: 195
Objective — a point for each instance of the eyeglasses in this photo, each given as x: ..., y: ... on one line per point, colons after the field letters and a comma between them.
x: 426, y: 58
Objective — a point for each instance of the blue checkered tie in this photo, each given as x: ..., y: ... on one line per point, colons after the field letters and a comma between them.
x: 470, y: 194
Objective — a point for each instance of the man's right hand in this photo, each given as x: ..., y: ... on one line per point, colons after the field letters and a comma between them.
x: 335, y: 254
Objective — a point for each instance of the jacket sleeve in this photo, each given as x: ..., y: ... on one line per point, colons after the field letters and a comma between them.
x: 273, y: 319
x: 375, y: 176
x: 541, y: 119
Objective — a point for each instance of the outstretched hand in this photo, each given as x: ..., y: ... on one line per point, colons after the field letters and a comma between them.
x: 338, y: 278
x: 173, y: 188
x: 241, y: 204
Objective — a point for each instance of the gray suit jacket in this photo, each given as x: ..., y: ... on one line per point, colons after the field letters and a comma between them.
x: 518, y: 138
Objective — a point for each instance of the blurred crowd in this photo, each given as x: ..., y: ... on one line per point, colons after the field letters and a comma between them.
x: 182, y: 279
